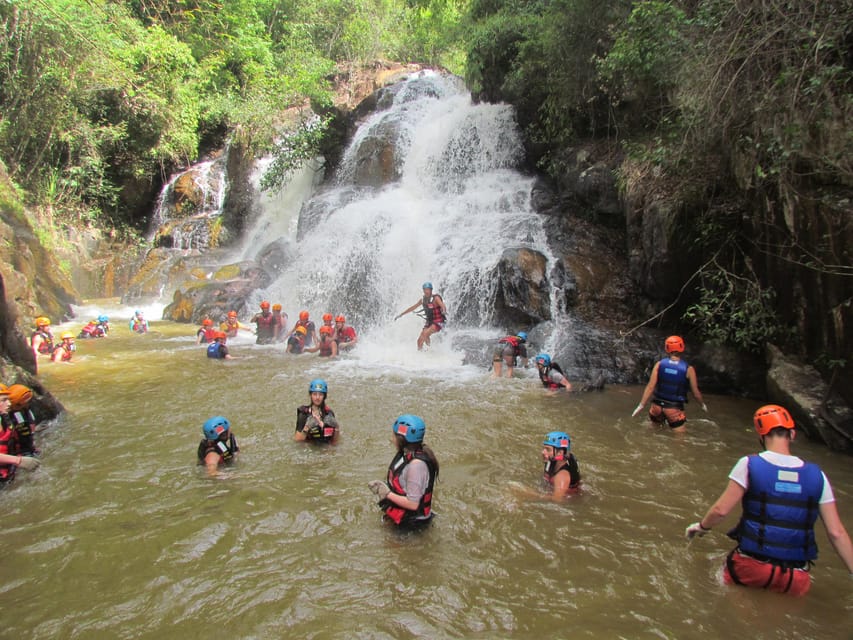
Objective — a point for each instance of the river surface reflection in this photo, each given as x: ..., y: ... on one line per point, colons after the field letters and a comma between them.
x: 121, y: 535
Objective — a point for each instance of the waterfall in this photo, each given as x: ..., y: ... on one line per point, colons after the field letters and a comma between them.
x: 447, y: 202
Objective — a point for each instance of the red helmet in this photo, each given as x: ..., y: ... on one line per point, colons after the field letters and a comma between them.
x: 303, y: 315
x: 327, y: 317
x: 265, y: 305
x: 325, y: 330
x: 207, y: 322
x: 674, y: 344
x: 217, y: 335
x: 233, y: 314
x: 771, y: 416
x: 340, y: 319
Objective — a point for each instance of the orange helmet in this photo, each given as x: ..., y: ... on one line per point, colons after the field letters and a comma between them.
x: 217, y: 335
x: 4, y: 390
x: 327, y: 317
x: 41, y: 321
x: 207, y: 322
x: 326, y: 330
x: 66, y: 334
x: 771, y: 416
x: 276, y: 307
x: 340, y: 319
x: 301, y: 330
x: 233, y: 314
x: 20, y: 396
x: 674, y: 344
x: 265, y: 305
x: 303, y: 315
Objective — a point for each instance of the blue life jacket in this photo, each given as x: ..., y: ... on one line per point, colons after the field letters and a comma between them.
x: 214, y: 350
x: 672, y: 381
x: 779, y: 511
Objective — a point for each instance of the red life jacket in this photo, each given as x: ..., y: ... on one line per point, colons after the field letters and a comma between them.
x: 398, y: 514
x: 46, y: 345
x: 326, y: 347
x: 433, y: 312
x: 8, y: 445
x: 66, y: 352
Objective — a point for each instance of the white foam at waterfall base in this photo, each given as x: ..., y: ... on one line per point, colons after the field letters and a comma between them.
x: 459, y: 204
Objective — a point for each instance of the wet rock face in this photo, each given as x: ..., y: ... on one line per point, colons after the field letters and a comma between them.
x: 230, y: 288
x: 523, y: 295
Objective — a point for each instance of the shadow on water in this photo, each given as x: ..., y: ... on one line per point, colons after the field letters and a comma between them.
x: 120, y: 535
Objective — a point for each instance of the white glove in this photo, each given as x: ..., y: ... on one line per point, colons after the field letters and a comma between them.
x: 704, y: 407
x: 637, y: 410
x: 695, y: 530
x: 379, y: 488
x: 28, y: 463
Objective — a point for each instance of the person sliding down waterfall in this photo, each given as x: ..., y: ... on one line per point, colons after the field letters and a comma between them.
x: 433, y: 312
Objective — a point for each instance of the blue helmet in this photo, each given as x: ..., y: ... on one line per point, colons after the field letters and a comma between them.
x: 215, y: 426
x: 318, y: 385
x: 558, y: 440
x: 410, y: 427
x: 427, y: 285
x: 103, y: 318
x: 138, y: 312
x: 521, y: 335
x: 544, y: 359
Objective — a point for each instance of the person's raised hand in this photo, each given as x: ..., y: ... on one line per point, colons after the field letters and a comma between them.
x: 379, y: 488
x: 695, y: 530
x: 28, y: 463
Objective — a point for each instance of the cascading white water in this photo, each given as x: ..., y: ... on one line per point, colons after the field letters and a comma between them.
x: 458, y: 204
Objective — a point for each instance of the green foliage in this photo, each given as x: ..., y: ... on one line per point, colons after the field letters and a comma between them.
x: 293, y: 150
x: 99, y: 96
x: 733, y: 309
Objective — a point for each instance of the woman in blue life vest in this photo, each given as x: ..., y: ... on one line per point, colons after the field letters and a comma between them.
x: 667, y: 388
x: 406, y: 497
x: 217, y: 349
x: 781, y: 497
x: 218, y: 447
x: 551, y: 374
x: 507, y: 352
x: 316, y: 422
x: 434, y: 312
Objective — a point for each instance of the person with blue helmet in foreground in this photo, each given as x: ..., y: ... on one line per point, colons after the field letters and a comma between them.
x: 781, y: 497
x: 138, y: 324
x: 406, y: 497
x: 219, y: 446
x: 507, y: 352
x: 433, y: 311
x: 316, y: 422
x: 551, y: 374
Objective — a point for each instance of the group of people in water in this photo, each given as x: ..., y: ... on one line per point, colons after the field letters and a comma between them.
x: 781, y: 495
x: 334, y: 337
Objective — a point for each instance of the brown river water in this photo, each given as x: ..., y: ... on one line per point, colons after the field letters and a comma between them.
x: 120, y: 535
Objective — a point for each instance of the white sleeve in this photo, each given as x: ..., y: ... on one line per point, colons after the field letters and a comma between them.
x: 827, y: 495
x: 740, y: 472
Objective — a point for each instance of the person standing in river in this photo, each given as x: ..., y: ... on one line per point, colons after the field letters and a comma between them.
x: 218, y: 447
x: 507, y: 352
x: 406, y: 497
x: 265, y: 324
x: 667, y: 388
x: 434, y: 312
x: 316, y: 422
x: 781, y: 497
